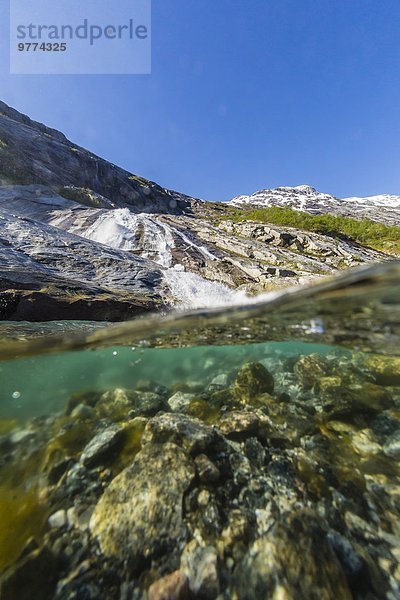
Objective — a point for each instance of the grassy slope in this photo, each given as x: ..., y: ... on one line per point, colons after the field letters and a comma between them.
x: 368, y: 233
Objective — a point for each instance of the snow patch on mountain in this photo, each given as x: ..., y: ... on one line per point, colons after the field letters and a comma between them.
x: 382, y: 208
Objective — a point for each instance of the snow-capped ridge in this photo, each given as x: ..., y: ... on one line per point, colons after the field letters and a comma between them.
x: 384, y: 208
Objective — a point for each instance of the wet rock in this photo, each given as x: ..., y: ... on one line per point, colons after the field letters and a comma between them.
x: 235, y: 424
x: 120, y: 402
x: 140, y: 513
x: 101, y: 446
x: 384, y: 369
x: 180, y: 401
x: 147, y: 404
x: 171, y: 587
x: 310, y: 369
x: 351, y: 562
x: 58, y: 519
x: 252, y: 379
x: 206, y: 470
x: 392, y: 445
x: 328, y: 387
x: 200, y: 564
x: 82, y: 411
x: 383, y: 426
x: 371, y: 396
x: 292, y: 560
x: 237, y: 534
x: 79, y: 516
x: 219, y: 382
x: 34, y: 576
x: 115, y: 402
x: 255, y: 452
x: 364, y: 443
x: 88, y: 397
x: 182, y: 430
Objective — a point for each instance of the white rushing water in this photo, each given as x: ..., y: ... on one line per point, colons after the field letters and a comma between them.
x: 150, y: 238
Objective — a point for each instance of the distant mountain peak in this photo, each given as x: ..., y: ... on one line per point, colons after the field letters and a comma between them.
x: 384, y: 208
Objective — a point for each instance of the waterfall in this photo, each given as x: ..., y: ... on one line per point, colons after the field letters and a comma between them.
x: 150, y: 238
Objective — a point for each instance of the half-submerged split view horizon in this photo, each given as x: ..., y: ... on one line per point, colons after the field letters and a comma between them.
x: 200, y: 398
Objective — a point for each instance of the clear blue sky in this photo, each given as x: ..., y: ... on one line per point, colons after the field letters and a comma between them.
x: 243, y: 95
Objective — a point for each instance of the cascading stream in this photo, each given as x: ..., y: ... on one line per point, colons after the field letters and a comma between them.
x: 146, y: 236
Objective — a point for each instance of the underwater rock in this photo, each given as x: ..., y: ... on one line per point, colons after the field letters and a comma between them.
x: 327, y: 387
x: 147, y: 404
x: 82, y: 411
x: 79, y: 516
x: 58, y: 519
x: 219, y: 382
x: 364, y: 443
x: 140, y: 513
x: 351, y: 562
x: 101, y: 446
x: 119, y: 402
x: 206, y: 470
x: 392, y: 446
x: 87, y: 397
x: 171, y: 587
x: 237, y: 422
x: 200, y: 564
x: 180, y: 401
x: 251, y: 380
x: 189, y: 432
x: 292, y: 560
x: 384, y: 369
x: 310, y: 369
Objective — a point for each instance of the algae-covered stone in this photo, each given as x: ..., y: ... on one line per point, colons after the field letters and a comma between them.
x: 252, y: 379
x: 180, y: 401
x: 119, y: 402
x: 292, y: 560
x: 310, y: 369
x: 385, y: 369
x: 140, y: 513
x: 101, y: 446
x: 182, y: 430
x: 206, y: 470
x: 200, y: 564
x: 238, y: 422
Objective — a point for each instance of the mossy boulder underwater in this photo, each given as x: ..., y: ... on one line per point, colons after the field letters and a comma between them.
x: 251, y: 380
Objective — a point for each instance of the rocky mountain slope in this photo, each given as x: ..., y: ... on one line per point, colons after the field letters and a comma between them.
x: 383, y: 208
x: 82, y: 239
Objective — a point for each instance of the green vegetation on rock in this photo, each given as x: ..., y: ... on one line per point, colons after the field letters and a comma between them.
x: 368, y: 233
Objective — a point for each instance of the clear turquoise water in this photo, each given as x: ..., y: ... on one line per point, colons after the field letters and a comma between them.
x: 42, y: 384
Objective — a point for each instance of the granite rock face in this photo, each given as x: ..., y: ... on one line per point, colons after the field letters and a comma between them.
x: 33, y: 153
x: 47, y: 273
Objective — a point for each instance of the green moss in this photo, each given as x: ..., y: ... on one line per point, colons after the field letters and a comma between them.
x: 133, y: 432
x: 3, y: 144
x: 21, y: 517
x: 204, y: 411
x: 137, y: 179
x: 7, y: 425
x: 368, y: 233
x: 84, y: 196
